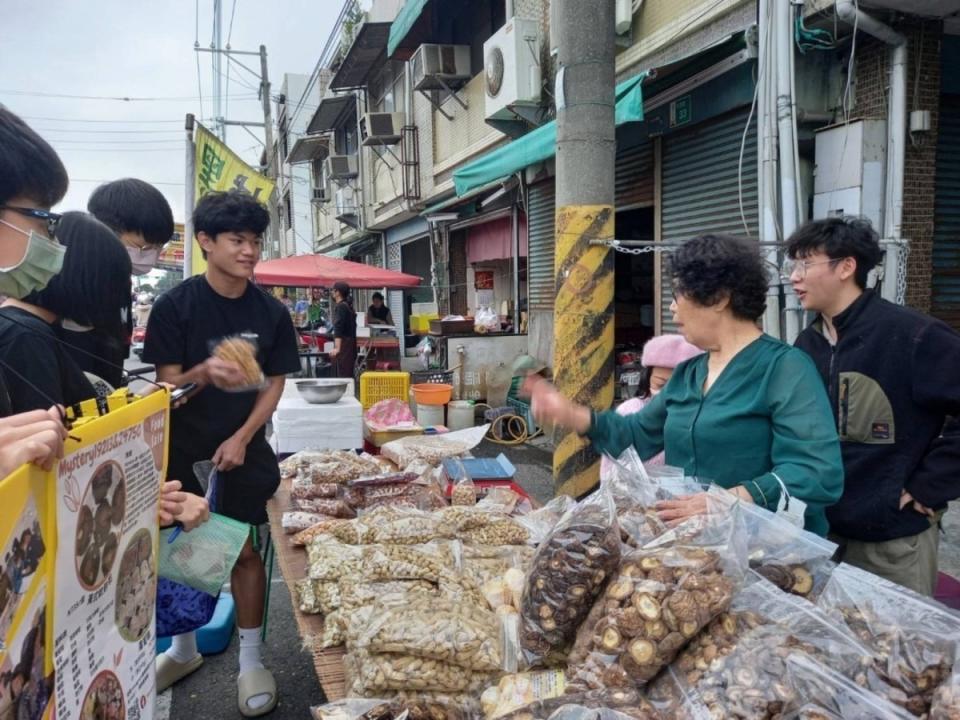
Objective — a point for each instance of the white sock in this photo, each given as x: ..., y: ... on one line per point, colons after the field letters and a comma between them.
x: 250, y: 659
x: 183, y: 648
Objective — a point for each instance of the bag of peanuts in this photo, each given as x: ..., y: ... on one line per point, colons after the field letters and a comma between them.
x: 946, y: 699
x: 608, y: 704
x: 735, y: 668
x: 390, y: 709
x: 913, y: 640
x: 569, y: 570
x: 820, y: 693
x: 444, y: 630
x: 317, y: 597
x: 659, y: 598
x: 241, y: 350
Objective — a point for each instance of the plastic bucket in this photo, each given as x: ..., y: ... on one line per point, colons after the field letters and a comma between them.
x: 430, y: 415
x: 461, y: 415
x: 432, y: 393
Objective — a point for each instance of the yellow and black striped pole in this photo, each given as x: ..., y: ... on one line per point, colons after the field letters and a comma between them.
x: 586, y: 155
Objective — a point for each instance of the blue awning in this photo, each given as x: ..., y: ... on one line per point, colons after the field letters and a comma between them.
x: 403, y: 23
x: 540, y: 144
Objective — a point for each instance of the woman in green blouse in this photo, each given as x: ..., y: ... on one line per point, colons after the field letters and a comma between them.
x: 748, y: 414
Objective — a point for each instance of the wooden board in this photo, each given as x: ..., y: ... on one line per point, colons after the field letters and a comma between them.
x: 292, y: 560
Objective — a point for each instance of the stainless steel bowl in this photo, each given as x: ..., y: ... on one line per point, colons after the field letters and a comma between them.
x: 322, y: 392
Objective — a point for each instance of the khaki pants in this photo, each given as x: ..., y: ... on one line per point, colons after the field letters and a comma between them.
x: 909, y: 561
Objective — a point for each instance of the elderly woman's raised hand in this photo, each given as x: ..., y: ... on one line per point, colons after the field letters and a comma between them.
x: 549, y: 407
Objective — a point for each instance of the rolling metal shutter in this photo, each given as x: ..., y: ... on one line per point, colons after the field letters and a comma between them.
x: 945, y: 293
x: 541, y: 286
x: 634, y: 177
x: 699, y: 189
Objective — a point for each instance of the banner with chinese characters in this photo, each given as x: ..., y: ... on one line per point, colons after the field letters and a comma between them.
x: 219, y: 168
x: 107, y: 490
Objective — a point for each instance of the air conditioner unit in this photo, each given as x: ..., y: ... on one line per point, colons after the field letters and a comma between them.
x: 341, y: 167
x: 320, y: 194
x: 437, y: 66
x: 382, y: 128
x: 345, y: 201
x: 512, y: 68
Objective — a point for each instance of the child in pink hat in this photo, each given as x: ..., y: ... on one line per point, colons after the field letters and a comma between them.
x: 660, y: 356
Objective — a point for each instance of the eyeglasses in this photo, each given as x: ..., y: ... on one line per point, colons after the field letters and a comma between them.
x: 799, y: 268
x: 52, y: 218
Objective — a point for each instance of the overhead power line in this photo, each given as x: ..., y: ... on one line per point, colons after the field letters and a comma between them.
x: 117, y: 98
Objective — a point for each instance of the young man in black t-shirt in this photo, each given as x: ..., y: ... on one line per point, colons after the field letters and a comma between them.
x: 219, y: 423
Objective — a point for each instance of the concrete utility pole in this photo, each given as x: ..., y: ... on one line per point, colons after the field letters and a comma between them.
x: 586, y: 155
x: 272, y: 160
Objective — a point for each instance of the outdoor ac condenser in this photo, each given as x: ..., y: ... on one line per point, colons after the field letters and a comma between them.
x: 345, y: 201
x: 382, y: 128
x: 512, y: 68
x: 438, y: 67
x: 341, y: 167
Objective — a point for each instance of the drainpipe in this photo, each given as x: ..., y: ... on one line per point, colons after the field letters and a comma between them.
x: 790, y: 211
x: 767, y: 167
x: 896, y: 138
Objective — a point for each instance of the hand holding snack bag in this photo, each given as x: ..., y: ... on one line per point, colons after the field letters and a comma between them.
x: 233, y: 365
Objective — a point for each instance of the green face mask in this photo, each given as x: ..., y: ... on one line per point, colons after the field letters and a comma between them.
x: 42, y: 260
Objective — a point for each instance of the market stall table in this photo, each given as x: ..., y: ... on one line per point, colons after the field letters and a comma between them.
x: 328, y: 663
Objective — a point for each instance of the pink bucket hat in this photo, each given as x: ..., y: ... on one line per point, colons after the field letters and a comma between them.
x: 667, y: 351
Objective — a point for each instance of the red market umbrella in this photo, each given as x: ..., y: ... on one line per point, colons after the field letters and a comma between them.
x: 323, y: 271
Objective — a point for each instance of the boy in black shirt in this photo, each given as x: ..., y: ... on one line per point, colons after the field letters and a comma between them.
x: 223, y: 425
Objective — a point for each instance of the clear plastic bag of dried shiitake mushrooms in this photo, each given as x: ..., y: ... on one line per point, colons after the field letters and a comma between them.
x: 660, y: 598
x: 736, y: 667
x: 568, y: 571
x: 820, y: 693
x: 796, y: 561
x: 912, y: 639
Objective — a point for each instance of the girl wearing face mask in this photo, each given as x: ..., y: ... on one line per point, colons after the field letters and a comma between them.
x: 91, y: 288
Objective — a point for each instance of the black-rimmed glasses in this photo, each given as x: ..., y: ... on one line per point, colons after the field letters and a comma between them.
x: 51, y: 218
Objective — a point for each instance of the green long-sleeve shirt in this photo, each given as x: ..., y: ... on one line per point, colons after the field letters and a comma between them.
x: 766, y: 413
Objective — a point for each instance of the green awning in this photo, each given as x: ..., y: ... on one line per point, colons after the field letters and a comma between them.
x: 540, y: 144
x: 403, y: 23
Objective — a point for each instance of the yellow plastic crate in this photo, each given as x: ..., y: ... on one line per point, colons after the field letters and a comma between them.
x: 377, y: 386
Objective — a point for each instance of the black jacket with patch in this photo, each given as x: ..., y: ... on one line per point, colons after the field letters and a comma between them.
x: 894, y: 380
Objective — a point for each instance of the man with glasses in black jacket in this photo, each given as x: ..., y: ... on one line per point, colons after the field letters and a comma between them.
x: 891, y: 374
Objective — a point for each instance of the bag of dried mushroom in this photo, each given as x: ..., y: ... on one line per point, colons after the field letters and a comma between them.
x: 659, y: 599
x: 820, y: 693
x: 794, y: 560
x: 570, y: 568
x: 736, y: 667
x: 913, y: 639
x: 946, y: 699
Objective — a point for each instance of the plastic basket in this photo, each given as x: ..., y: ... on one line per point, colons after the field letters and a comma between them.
x: 377, y: 386
x: 440, y: 377
x: 523, y: 410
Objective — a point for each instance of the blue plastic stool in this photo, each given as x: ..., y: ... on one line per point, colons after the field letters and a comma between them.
x: 214, y: 637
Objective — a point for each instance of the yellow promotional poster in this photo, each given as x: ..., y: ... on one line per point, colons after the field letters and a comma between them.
x: 219, y: 168
x: 104, y: 566
x: 27, y: 534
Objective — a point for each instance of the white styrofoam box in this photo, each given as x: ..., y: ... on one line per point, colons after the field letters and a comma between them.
x: 363, y: 332
x: 298, y: 425
x: 361, y: 319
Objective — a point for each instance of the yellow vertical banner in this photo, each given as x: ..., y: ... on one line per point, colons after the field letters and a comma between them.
x: 219, y: 168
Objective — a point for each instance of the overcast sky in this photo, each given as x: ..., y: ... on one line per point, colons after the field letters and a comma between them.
x: 132, y: 48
